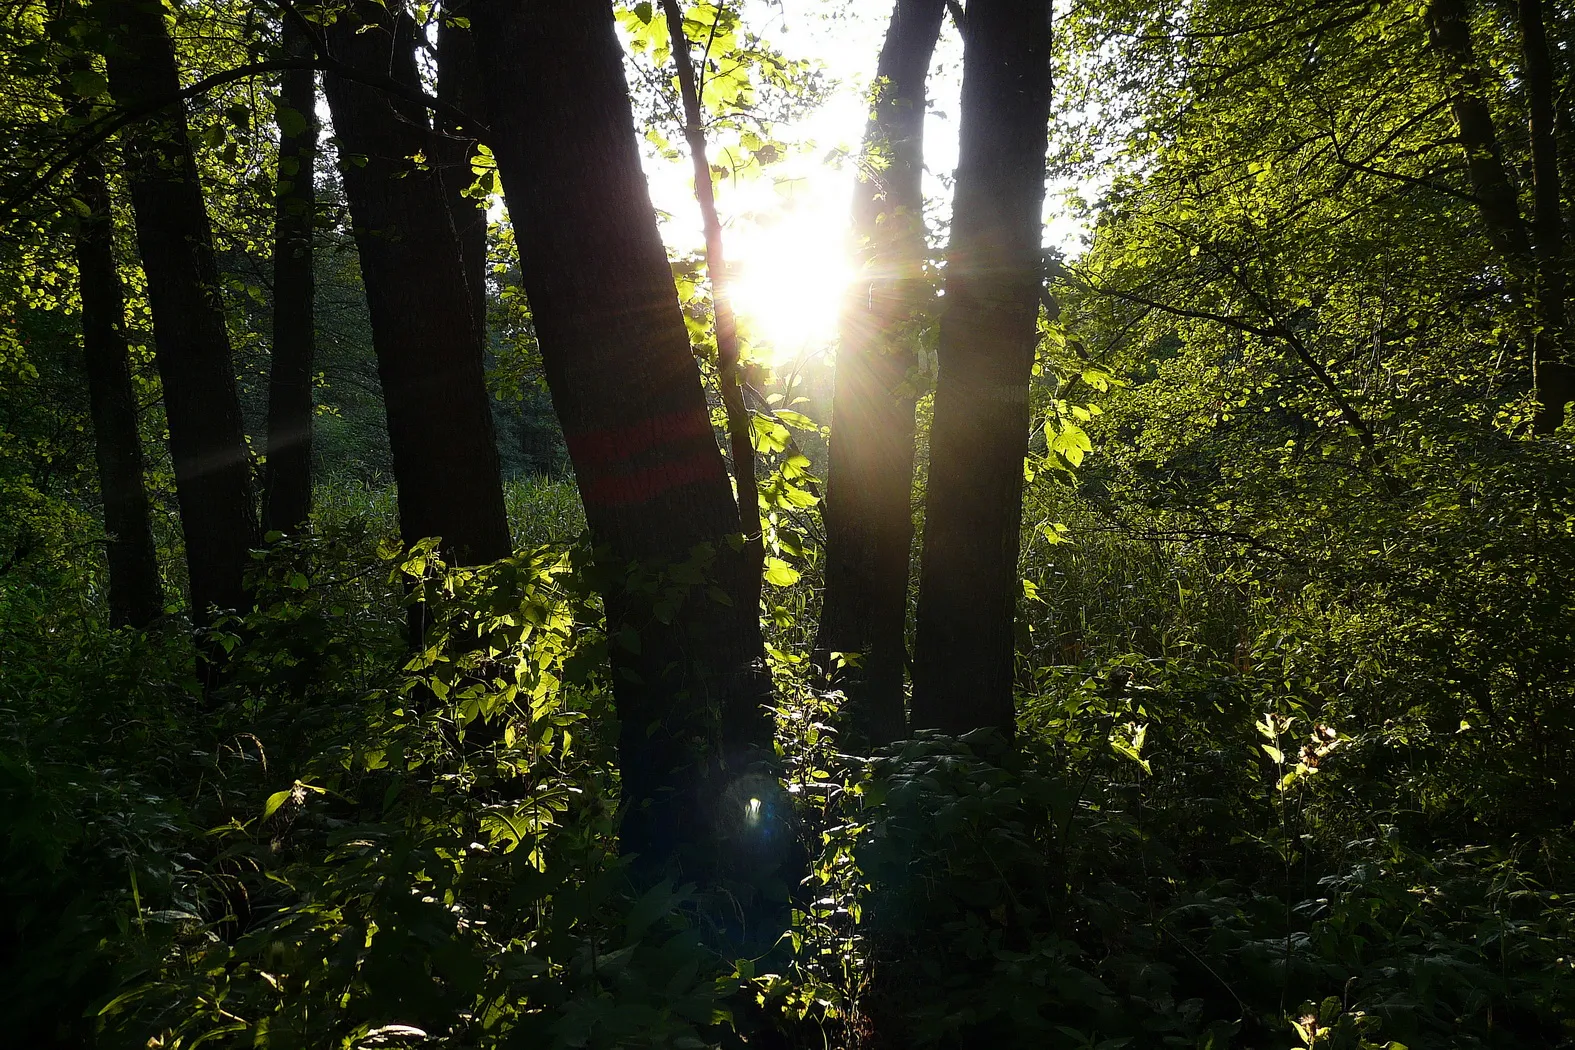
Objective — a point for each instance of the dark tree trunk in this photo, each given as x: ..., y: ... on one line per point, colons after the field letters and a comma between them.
x: 213, y: 480
x: 459, y: 85
x: 429, y: 351
x: 687, y: 657
x: 968, y: 573
x: 287, y: 477
x: 136, y: 597
x: 868, y: 514
x: 1555, y: 378
x: 1561, y: 47
x: 1449, y: 29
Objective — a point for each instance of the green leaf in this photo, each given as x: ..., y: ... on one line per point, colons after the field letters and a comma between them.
x: 275, y: 800
x: 797, y: 420
x: 291, y: 121
x: 769, y: 435
x: 780, y: 574
x: 1072, y: 443
x: 88, y: 84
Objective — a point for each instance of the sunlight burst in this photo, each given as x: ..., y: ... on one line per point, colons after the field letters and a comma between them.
x: 789, y: 276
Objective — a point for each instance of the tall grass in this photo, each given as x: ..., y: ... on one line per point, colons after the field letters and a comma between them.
x: 540, y: 509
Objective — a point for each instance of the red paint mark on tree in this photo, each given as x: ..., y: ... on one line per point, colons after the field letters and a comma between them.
x: 619, y: 466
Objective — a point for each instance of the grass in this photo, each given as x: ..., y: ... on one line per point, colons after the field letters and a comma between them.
x: 540, y: 509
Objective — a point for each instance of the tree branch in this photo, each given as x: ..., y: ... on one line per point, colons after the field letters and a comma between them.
x: 740, y: 427
x: 958, y: 18
x: 1276, y: 330
x: 102, y: 129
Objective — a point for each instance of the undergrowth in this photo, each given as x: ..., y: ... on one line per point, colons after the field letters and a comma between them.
x: 1198, y: 839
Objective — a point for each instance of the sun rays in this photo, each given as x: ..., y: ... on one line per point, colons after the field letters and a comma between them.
x: 789, y: 276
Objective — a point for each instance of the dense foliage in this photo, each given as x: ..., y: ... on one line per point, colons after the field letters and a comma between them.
x: 1295, y: 654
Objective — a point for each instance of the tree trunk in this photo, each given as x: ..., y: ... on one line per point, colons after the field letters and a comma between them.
x: 687, y: 657
x: 459, y: 85
x: 136, y: 597
x: 429, y: 350
x: 287, y: 476
x: 1449, y: 30
x: 968, y: 573
x: 868, y: 513
x: 1561, y: 48
x: 729, y: 373
x: 1554, y: 376
x: 213, y: 480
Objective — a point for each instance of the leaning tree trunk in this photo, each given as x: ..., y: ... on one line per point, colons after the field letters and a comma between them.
x: 429, y: 350
x: 1554, y: 374
x: 1561, y: 47
x: 686, y: 645
x: 968, y: 571
x: 1449, y: 33
x: 213, y: 480
x: 1449, y: 30
x: 136, y: 597
x: 459, y: 85
x: 287, y: 476
x: 729, y: 359
x: 868, y: 513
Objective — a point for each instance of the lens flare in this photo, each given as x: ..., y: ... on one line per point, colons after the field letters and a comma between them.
x: 789, y: 276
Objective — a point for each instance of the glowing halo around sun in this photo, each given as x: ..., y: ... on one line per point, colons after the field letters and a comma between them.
x: 788, y: 276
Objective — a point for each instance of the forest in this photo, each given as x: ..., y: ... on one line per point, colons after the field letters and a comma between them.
x: 464, y: 584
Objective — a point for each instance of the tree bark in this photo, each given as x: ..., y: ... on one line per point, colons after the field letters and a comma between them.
x: 1554, y: 376
x: 740, y: 425
x: 136, y: 597
x: 287, y: 475
x: 429, y: 350
x: 968, y: 571
x: 1449, y: 30
x: 459, y: 85
x: 213, y: 480
x: 686, y: 648
x: 868, y: 511
x: 1561, y: 48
